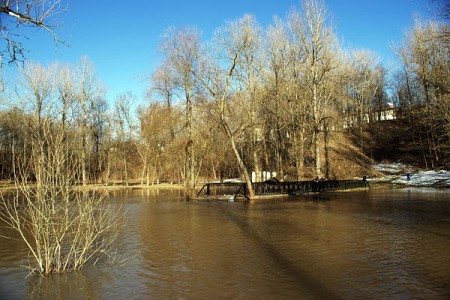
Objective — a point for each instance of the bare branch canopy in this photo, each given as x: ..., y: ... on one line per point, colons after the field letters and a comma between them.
x: 15, y: 15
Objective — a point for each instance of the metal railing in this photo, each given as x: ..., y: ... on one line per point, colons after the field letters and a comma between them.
x: 236, y: 189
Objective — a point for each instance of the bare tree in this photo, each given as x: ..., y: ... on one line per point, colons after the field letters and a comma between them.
x: 89, y: 89
x: 288, y: 105
x: 37, y: 91
x: 248, y: 76
x: 425, y: 53
x: 183, y: 49
x: 221, y: 77
x: 381, y: 98
x: 319, y: 56
x: 123, y: 118
x: 19, y: 14
x: 63, y: 228
x: 100, y: 131
x: 66, y: 90
x: 363, y: 85
x: 164, y: 83
x: 157, y: 127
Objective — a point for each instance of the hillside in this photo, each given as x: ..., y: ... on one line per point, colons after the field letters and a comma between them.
x: 401, y: 141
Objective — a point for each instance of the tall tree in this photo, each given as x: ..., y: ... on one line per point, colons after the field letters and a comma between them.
x: 125, y: 125
x: 363, y: 85
x: 37, y: 92
x: 425, y: 53
x: 319, y: 54
x: 89, y: 89
x: 157, y: 129
x: 282, y: 106
x: 182, y: 49
x: 220, y: 78
x: 100, y: 130
x: 248, y: 78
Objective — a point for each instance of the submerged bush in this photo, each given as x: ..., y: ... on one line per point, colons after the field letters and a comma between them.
x: 63, y: 230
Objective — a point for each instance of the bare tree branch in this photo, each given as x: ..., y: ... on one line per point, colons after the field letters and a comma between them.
x: 19, y: 14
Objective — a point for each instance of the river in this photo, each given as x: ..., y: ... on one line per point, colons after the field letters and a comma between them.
x: 373, y: 244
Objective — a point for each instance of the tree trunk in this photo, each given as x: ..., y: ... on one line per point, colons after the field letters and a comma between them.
x: 300, y: 157
x: 83, y: 160
x: 214, y: 173
x: 189, y: 185
x: 108, y: 167
x: 280, y: 174
x: 317, y: 153
x: 125, y: 170
x: 144, y: 169
x: 256, y: 166
x: 327, y: 157
x: 247, y: 178
x: 189, y: 175
x: 148, y: 174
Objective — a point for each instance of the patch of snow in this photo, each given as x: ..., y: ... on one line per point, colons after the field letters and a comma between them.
x: 426, y: 178
x: 397, y: 173
x: 394, y: 168
x: 232, y: 180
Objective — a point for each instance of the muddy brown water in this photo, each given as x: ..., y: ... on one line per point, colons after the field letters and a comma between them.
x: 373, y: 244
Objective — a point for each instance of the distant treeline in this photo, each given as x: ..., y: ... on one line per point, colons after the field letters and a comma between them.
x: 285, y: 98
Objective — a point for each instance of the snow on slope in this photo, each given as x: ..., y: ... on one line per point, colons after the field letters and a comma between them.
x: 397, y: 173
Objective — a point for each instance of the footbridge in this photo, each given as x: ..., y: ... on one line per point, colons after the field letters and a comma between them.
x: 234, y: 190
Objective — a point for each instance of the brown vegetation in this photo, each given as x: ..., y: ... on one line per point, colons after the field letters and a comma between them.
x: 63, y: 228
x: 286, y: 98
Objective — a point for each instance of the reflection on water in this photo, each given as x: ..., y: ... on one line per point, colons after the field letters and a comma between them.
x: 391, y: 244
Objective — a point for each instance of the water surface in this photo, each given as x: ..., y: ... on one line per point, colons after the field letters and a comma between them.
x: 377, y: 244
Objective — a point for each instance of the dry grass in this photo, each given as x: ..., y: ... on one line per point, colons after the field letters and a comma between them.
x: 346, y: 160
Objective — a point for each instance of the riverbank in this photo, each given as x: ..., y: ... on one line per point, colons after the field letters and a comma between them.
x: 162, y: 186
x: 392, y: 174
x: 7, y: 185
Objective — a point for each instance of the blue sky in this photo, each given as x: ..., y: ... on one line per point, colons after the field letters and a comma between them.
x: 122, y: 37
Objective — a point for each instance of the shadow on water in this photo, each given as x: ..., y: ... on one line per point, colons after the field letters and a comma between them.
x: 364, y: 245
x: 59, y: 286
x: 306, y: 281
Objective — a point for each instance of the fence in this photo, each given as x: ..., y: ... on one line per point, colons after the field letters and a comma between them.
x: 236, y: 189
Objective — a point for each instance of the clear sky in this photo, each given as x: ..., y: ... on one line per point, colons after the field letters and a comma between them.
x: 122, y: 37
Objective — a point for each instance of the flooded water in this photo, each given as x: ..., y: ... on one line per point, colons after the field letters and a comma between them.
x: 377, y: 244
